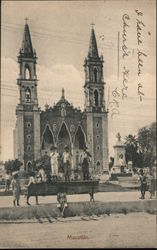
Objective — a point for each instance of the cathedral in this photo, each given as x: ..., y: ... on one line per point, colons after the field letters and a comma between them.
x: 36, y: 131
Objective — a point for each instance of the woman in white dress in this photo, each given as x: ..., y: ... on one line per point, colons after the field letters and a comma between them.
x: 54, y: 162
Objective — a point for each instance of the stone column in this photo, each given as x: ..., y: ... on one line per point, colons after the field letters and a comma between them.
x: 105, y: 141
x: 90, y: 139
x: 36, y: 135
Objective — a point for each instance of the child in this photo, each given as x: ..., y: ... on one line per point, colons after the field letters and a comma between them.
x: 62, y: 200
x: 16, y: 189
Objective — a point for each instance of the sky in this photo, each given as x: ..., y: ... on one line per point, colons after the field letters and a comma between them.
x: 60, y: 32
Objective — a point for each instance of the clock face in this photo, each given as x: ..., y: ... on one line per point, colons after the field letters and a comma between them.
x: 63, y: 105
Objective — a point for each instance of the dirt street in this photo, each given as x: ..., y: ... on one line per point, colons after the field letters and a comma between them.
x: 116, y: 230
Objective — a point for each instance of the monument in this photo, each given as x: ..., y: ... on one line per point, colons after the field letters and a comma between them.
x: 119, y: 156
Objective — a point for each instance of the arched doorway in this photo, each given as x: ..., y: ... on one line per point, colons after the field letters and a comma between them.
x: 79, y: 145
x: 27, y: 72
x: 98, y: 167
x: 48, y: 139
x: 29, y: 167
x: 63, y: 139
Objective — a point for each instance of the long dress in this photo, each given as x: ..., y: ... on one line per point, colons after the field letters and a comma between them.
x: 54, y: 163
x: 16, y: 189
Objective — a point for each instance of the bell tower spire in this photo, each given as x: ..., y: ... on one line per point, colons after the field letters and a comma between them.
x: 93, y: 50
x: 27, y: 111
x: 95, y: 110
x: 27, y: 49
x: 94, y: 83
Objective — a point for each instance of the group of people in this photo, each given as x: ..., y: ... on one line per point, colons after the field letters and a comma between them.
x: 148, y: 182
x: 61, y: 164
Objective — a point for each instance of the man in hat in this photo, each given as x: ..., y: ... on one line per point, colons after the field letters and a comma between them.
x: 67, y: 163
x: 85, y: 163
x: 54, y: 162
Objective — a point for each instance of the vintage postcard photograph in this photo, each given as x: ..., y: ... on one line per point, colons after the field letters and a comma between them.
x: 78, y: 124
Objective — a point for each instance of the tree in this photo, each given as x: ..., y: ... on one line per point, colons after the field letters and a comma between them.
x: 141, y: 149
x: 147, y: 144
x: 12, y: 165
x: 131, y: 150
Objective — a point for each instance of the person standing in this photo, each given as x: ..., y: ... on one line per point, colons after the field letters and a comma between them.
x: 54, y: 162
x: 143, y: 180
x: 85, y: 164
x: 16, y: 188
x: 66, y: 163
x: 152, y: 182
x: 42, y: 174
x: 7, y: 181
x: 31, y: 184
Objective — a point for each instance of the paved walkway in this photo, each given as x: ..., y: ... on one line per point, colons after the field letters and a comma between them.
x: 6, y: 201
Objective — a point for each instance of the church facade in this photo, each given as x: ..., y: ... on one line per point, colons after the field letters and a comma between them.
x: 36, y: 131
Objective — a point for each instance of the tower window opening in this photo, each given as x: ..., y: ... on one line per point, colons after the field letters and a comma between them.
x: 98, y: 167
x: 29, y: 148
x: 27, y: 72
x: 29, y: 166
x: 95, y: 75
x: 29, y: 136
x: 28, y: 95
x: 28, y: 124
x: 96, y: 98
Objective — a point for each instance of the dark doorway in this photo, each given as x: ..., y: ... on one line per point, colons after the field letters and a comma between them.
x: 63, y: 139
x: 48, y: 140
x: 79, y: 139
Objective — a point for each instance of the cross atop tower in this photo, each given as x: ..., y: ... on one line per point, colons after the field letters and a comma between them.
x: 92, y: 25
x: 62, y: 93
x: 26, y: 19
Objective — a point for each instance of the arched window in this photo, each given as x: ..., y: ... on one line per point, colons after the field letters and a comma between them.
x: 29, y: 167
x: 96, y: 98
x: 79, y: 139
x: 28, y: 95
x: 27, y: 72
x: 95, y: 75
x: 48, y: 139
x: 98, y: 167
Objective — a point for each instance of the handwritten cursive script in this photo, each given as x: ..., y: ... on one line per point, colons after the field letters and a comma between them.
x: 125, y: 81
x: 140, y: 93
x: 125, y: 49
x: 140, y: 54
x: 139, y: 29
